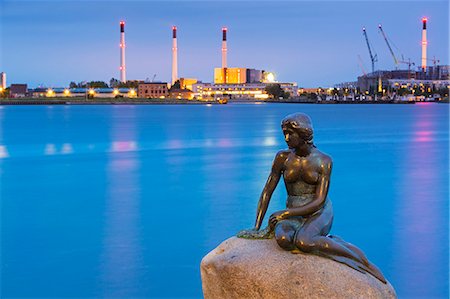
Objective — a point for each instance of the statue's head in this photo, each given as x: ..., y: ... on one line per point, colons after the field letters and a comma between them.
x: 297, y: 126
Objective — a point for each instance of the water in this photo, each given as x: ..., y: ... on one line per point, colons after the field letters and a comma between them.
x: 124, y: 201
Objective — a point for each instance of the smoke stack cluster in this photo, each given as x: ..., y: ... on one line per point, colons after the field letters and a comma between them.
x: 174, y: 55
x: 424, y: 44
x: 123, y: 77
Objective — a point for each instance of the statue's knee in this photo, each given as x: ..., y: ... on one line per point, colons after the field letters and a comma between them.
x: 285, y: 237
x: 304, y: 243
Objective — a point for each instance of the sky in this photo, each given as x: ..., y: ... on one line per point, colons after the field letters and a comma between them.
x: 313, y: 43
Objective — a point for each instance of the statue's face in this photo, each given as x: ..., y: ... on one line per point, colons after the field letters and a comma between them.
x: 291, y: 137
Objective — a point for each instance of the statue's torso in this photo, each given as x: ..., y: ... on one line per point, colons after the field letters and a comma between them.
x: 301, y: 176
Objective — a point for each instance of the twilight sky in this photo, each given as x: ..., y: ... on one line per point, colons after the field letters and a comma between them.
x: 313, y: 43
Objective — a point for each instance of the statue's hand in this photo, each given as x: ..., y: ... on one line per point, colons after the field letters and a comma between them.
x: 276, y: 217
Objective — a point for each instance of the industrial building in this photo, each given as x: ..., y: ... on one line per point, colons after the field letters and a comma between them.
x: 83, y: 92
x: 435, y: 77
x: 238, y: 91
x: 180, y: 93
x: 186, y: 83
x: 153, y: 90
x: 237, y: 75
x: 18, y: 90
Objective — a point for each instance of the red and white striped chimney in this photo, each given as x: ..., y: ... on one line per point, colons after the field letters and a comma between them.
x: 174, y: 55
x: 424, y: 44
x: 224, y: 47
x: 123, y: 77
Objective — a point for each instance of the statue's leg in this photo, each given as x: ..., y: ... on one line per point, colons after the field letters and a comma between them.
x: 312, y: 237
x: 285, y: 232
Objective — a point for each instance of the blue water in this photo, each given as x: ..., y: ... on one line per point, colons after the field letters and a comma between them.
x: 124, y: 201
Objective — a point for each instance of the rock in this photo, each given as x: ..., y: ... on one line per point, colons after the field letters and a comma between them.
x: 241, y: 268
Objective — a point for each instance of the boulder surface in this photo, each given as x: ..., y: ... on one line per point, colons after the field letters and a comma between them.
x: 242, y: 268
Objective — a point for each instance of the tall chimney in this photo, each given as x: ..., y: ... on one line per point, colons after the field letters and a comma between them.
x: 224, y: 47
x: 174, y: 55
x: 3, y: 80
x: 123, y: 77
x: 424, y: 44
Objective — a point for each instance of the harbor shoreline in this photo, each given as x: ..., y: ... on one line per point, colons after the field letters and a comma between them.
x: 144, y: 101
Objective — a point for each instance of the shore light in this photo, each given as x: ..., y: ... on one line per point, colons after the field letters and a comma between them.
x: 132, y: 93
x: 66, y: 92
x: 50, y: 92
x: 270, y: 77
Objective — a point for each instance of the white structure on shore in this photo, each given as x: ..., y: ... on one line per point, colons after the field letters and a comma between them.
x: 174, y: 55
x: 224, y: 47
x: 123, y: 76
x: 3, y: 80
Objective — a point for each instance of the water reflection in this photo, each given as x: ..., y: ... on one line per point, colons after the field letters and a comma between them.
x: 421, y: 226
x: 121, y: 253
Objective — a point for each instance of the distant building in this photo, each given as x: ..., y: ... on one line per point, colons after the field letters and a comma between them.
x: 239, y: 91
x: 186, y: 83
x: 153, y: 90
x: 185, y: 94
x: 3, y: 80
x: 383, y: 80
x: 237, y: 76
x: 18, y: 90
x: 84, y: 92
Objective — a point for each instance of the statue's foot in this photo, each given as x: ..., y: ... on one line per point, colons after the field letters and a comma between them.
x: 295, y: 251
x: 376, y: 272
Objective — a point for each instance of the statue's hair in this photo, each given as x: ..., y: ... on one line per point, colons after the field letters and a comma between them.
x: 301, y: 124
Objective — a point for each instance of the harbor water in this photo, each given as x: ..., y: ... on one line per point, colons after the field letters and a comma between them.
x: 124, y: 201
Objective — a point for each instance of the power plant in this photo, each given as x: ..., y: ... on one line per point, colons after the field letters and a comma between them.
x: 427, y: 79
x: 123, y: 76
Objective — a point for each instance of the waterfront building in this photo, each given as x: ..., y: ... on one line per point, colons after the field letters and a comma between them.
x: 153, y: 90
x: 83, y: 92
x: 382, y: 80
x: 180, y: 93
x: 238, y: 91
x: 18, y: 90
x: 186, y: 83
x: 237, y: 75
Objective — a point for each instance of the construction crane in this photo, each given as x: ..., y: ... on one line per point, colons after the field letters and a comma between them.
x: 361, y: 65
x: 409, y: 63
x: 434, y: 60
x: 389, y: 46
x: 373, y: 58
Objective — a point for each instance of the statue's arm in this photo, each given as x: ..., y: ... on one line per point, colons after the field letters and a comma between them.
x: 271, y: 184
x: 321, y: 192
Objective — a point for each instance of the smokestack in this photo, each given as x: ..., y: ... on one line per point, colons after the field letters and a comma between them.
x: 224, y: 47
x: 424, y: 44
x: 122, y: 68
x: 174, y: 55
x: 3, y: 80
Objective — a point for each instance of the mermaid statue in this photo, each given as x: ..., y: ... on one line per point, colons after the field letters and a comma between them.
x: 305, y: 224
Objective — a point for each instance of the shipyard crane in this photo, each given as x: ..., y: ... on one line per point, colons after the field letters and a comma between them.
x: 434, y: 60
x: 373, y: 58
x: 409, y: 63
x: 361, y: 65
x: 389, y: 46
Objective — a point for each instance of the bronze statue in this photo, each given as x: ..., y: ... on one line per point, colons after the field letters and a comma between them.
x: 305, y: 223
